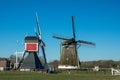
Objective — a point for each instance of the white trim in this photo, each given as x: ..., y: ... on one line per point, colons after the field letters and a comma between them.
x: 24, y: 69
x: 67, y: 67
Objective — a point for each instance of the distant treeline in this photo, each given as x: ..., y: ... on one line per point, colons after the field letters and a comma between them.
x: 85, y: 64
x: 91, y: 64
x: 101, y: 64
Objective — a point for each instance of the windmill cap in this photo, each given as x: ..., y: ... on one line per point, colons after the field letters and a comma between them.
x: 31, y: 39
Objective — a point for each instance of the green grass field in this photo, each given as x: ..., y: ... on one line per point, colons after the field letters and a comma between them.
x: 74, y: 75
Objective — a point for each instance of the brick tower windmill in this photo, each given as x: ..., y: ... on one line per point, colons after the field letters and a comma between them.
x: 69, y: 56
x: 32, y: 45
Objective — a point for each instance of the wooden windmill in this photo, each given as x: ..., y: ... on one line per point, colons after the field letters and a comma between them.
x: 32, y: 46
x: 69, y: 57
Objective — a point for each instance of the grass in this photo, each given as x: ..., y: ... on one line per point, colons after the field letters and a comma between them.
x: 74, y: 75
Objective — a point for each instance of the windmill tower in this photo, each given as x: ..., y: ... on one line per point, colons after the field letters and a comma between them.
x: 69, y: 56
x: 32, y: 46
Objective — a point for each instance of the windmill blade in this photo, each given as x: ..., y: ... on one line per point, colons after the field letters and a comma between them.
x: 21, y: 61
x: 36, y: 33
x: 85, y: 45
x: 38, y: 26
x: 45, y: 64
x: 86, y: 42
x: 42, y: 43
x: 62, y: 38
x: 73, y: 27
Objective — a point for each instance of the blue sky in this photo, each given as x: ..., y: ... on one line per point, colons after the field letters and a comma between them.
x: 97, y: 21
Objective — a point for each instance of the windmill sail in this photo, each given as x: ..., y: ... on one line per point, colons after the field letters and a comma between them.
x: 38, y: 26
x: 73, y: 27
x: 45, y: 60
x: 42, y: 44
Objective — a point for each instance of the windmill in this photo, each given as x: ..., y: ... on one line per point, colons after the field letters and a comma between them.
x: 68, y: 55
x: 32, y: 46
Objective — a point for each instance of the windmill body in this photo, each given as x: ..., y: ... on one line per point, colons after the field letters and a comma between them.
x: 32, y: 61
x: 32, y: 45
x: 68, y: 58
x: 68, y: 55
